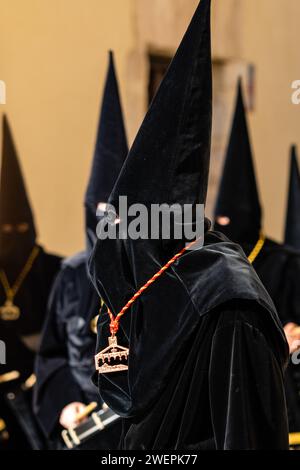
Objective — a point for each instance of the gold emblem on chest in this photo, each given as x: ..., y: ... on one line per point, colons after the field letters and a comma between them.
x: 9, y: 311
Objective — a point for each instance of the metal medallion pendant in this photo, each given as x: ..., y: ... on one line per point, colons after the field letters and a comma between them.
x: 114, y: 358
x: 9, y: 311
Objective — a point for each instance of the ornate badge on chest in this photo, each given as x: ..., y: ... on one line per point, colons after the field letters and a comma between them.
x: 114, y: 358
x: 9, y: 311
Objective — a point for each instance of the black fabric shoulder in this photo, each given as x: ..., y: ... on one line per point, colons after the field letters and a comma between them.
x: 219, y: 273
x: 223, y: 274
x: 66, y: 289
x: 253, y: 315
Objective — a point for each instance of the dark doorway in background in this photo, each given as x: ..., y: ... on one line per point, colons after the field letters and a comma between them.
x: 158, y: 67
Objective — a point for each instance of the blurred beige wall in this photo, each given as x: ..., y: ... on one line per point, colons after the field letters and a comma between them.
x: 266, y: 33
x: 53, y: 57
x: 53, y: 60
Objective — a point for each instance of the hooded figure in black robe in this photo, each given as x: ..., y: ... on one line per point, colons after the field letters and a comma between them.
x: 292, y: 226
x: 238, y: 215
x: 66, y: 358
x: 206, y: 348
x: 17, y: 242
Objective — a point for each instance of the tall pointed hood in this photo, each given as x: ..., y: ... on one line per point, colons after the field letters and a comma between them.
x: 238, y: 211
x: 169, y: 160
x: 168, y: 163
x: 292, y: 229
x: 15, y: 208
x: 110, y: 151
x: 14, y: 203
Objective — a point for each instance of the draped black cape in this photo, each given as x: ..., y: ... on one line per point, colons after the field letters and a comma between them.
x: 207, y: 351
x: 65, y: 360
x: 22, y: 336
x: 278, y: 267
x: 65, y: 363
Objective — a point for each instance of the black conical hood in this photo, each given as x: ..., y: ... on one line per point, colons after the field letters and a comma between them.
x: 14, y: 203
x: 167, y: 164
x: 15, y: 211
x: 110, y: 151
x: 169, y: 160
x: 292, y: 229
x: 238, y: 198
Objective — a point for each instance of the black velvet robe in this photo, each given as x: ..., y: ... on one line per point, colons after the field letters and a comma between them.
x: 65, y: 363
x: 207, y: 351
x: 22, y: 337
x: 278, y: 267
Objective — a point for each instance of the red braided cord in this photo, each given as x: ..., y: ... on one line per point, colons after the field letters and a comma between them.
x: 114, y: 322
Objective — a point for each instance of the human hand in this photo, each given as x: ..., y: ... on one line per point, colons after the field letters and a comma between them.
x: 69, y: 415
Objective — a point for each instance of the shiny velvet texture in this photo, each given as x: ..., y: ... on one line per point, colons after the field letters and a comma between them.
x: 15, y: 209
x: 65, y: 362
x: 238, y: 198
x: 175, y: 343
x: 110, y: 151
x: 169, y: 159
x: 292, y: 227
x: 65, y: 359
x: 32, y: 300
x: 208, y: 315
x: 211, y: 402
